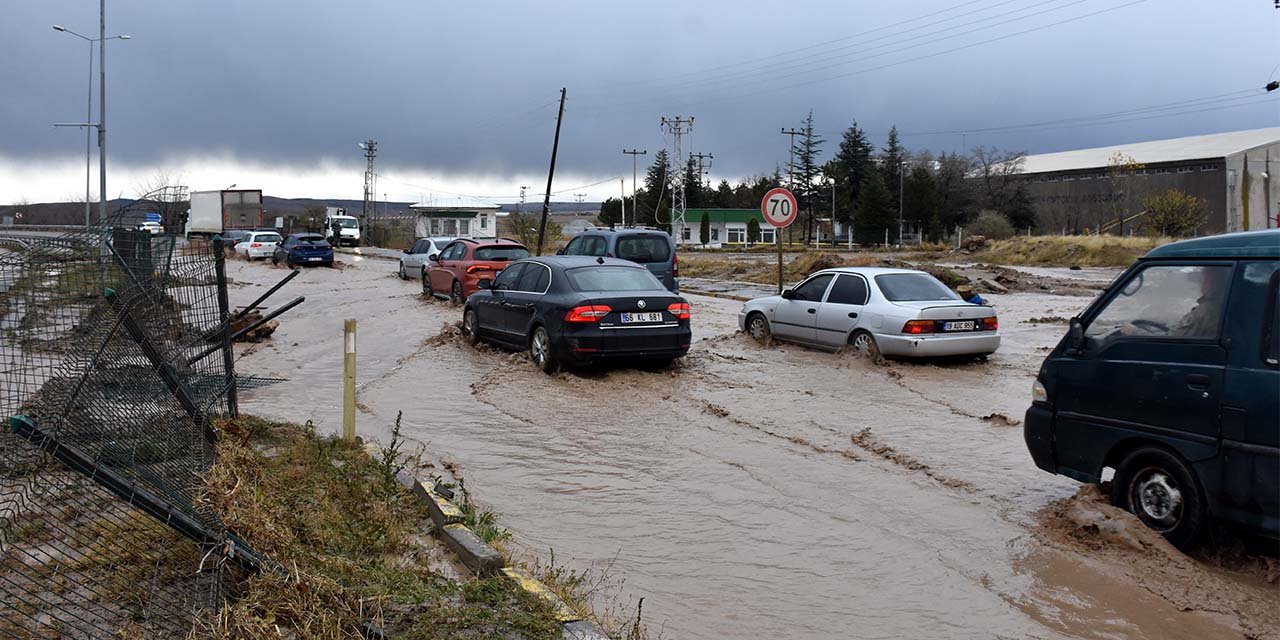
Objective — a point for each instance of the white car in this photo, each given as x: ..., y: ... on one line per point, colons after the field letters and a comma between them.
x: 154, y: 228
x: 258, y: 245
x: 414, y: 259
x: 890, y: 312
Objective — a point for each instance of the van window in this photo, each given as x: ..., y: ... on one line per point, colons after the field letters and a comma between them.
x: 644, y: 249
x: 1271, y: 323
x: 1179, y: 301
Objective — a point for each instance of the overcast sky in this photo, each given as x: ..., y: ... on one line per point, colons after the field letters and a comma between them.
x: 461, y: 95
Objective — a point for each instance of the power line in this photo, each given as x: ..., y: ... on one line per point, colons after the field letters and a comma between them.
x: 1262, y: 100
x: 805, y: 63
x: 1222, y: 97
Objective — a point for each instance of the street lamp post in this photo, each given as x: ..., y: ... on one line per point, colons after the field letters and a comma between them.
x: 102, y: 113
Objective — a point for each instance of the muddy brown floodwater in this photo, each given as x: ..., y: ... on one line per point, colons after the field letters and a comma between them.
x: 762, y: 492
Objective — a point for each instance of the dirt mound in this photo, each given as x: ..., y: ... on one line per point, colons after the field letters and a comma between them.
x: 1001, y: 420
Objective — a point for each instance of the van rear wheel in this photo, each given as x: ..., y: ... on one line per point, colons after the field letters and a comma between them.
x: 1158, y: 487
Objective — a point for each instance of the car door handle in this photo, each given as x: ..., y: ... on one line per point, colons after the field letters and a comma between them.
x: 1198, y: 381
x: 812, y: 310
x: 853, y: 314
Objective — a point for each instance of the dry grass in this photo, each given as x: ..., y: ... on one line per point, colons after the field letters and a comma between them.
x: 1083, y: 251
x: 766, y: 271
x: 345, y: 539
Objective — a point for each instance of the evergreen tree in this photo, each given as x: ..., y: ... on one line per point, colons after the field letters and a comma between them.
x: 805, y: 170
x: 753, y: 231
x: 955, y: 191
x: 875, y: 209
x: 723, y: 195
x: 610, y: 212
x: 695, y: 194
x: 704, y: 229
x: 849, y: 166
x: 921, y: 199
x: 892, y: 157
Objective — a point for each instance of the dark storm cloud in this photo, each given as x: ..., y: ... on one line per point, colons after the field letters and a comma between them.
x: 468, y: 87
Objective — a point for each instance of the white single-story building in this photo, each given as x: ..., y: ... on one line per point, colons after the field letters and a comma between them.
x: 728, y: 227
x: 456, y: 218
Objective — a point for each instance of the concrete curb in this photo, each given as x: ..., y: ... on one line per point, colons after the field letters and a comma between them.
x: 483, y: 559
x: 714, y: 294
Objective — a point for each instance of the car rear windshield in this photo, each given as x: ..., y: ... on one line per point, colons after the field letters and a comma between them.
x: 501, y: 252
x: 312, y: 240
x: 612, y: 279
x: 913, y: 287
x: 266, y: 237
x: 643, y: 248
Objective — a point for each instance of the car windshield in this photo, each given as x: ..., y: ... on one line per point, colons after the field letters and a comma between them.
x: 644, y: 248
x: 345, y: 223
x: 913, y: 287
x: 614, y: 278
x: 312, y: 240
x: 501, y: 252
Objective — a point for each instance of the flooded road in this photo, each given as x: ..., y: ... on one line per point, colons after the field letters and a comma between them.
x: 751, y: 491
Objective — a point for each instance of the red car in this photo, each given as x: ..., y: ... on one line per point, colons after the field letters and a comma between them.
x: 454, y: 272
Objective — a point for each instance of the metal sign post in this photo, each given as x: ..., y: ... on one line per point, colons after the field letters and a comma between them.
x: 779, y: 210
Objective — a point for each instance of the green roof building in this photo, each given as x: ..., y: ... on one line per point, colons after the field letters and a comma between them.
x: 728, y: 227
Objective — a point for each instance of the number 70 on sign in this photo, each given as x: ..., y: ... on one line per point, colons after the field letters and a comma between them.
x: 779, y: 208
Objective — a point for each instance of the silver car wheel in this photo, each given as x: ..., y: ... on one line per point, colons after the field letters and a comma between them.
x: 758, y: 327
x: 1159, y: 498
x: 403, y: 275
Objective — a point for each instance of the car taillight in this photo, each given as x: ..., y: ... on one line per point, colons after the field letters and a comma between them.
x: 675, y: 266
x: 990, y: 324
x: 255, y: 244
x: 680, y: 310
x: 479, y: 267
x: 916, y: 327
x: 587, y: 313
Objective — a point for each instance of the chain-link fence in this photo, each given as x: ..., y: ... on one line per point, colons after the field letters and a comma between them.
x: 114, y: 360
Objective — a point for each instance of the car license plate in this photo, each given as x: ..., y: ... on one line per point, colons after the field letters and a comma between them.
x: 313, y: 259
x: 964, y: 325
x: 630, y: 318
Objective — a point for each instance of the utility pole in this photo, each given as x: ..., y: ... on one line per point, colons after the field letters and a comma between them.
x: 580, y: 197
x: 699, y: 157
x: 635, y: 210
x: 555, y: 147
x: 791, y: 161
x: 370, y: 152
x: 520, y: 206
x: 902, y: 168
x: 102, y: 110
x: 677, y: 127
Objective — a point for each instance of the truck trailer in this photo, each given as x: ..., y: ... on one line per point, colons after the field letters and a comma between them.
x: 213, y: 212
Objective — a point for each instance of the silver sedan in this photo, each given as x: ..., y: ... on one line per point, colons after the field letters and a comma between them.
x: 890, y: 312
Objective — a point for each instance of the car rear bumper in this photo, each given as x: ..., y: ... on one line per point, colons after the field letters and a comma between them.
x: 260, y: 252
x: 936, y: 346
x: 1037, y: 430
x: 600, y: 345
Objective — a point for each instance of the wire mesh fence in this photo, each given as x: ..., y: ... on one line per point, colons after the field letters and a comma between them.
x: 114, y: 362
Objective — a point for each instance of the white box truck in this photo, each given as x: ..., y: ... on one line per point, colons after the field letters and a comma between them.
x: 213, y: 212
x: 349, y: 227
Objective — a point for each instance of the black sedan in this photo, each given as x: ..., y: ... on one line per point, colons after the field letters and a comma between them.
x: 578, y: 310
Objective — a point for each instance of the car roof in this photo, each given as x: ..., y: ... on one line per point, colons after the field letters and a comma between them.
x: 488, y: 241
x: 570, y: 262
x: 1246, y: 244
x: 869, y: 271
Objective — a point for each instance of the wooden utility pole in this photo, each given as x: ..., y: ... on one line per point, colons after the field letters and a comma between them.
x: 551, y: 173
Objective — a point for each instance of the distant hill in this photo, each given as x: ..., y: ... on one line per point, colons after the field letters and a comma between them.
x: 66, y: 213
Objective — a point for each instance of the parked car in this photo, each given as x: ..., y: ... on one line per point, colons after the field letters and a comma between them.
x: 303, y: 248
x: 413, y: 262
x: 1170, y: 379
x: 258, y: 245
x: 154, y: 228
x: 652, y: 248
x: 455, y: 271
x: 579, y: 310
x: 233, y: 236
x: 877, y: 312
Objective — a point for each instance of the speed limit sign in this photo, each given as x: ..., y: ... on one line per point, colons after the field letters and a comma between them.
x: 779, y: 208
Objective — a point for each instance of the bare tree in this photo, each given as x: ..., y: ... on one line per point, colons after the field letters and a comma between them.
x: 168, y: 197
x: 1121, y: 170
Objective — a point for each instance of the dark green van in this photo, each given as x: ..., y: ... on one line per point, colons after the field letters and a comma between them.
x: 1171, y: 378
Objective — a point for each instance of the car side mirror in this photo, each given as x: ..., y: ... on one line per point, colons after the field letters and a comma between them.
x: 1075, y: 336
x: 559, y: 252
x: 434, y: 257
x: 788, y: 294
x: 484, y: 283
x: 405, y: 251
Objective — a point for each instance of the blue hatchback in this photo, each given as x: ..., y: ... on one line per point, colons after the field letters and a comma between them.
x: 653, y: 248
x: 303, y: 248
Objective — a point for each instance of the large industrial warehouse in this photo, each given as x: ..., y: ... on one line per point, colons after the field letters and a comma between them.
x: 1232, y: 172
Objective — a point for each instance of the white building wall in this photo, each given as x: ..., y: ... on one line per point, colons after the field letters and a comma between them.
x: 1262, y: 189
